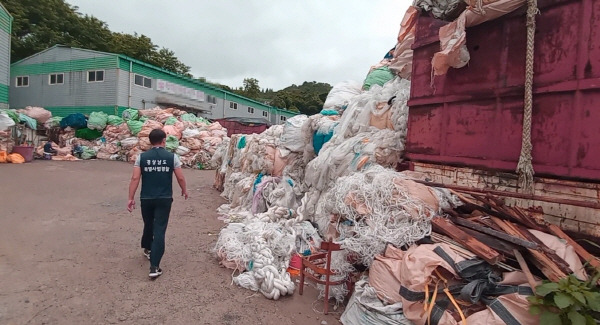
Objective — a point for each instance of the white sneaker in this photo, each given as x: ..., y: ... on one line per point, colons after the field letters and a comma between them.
x: 146, y: 253
x: 154, y: 272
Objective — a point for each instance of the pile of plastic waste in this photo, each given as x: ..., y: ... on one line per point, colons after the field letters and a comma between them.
x: 323, y: 177
x: 112, y: 137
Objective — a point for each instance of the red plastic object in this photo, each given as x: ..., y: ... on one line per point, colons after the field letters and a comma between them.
x: 473, y: 116
x: 25, y: 151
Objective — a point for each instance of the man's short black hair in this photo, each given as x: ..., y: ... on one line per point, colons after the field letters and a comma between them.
x: 156, y: 136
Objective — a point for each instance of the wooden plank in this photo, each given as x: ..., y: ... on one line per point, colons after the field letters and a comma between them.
x: 533, y: 197
x: 495, y: 233
x: 583, y: 254
x: 545, y: 264
x: 503, y: 247
x: 559, y: 261
x: 525, y: 269
x: 480, y: 249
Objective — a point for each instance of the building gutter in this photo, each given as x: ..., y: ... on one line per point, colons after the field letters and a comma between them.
x: 129, y: 96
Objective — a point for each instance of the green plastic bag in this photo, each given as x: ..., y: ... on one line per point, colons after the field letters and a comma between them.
x: 188, y: 117
x: 202, y: 120
x: 88, y: 134
x: 242, y: 143
x: 114, y: 120
x: 88, y: 153
x: 143, y: 118
x: 378, y: 76
x: 135, y: 126
x: 171, y: 120
x: 97, y: 121
x: 12, y: 114
x: 53, y: 122
x: 172, y: 143
x: 130, y: 114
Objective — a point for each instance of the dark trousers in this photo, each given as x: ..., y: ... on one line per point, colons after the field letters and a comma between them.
x: 155, y: 213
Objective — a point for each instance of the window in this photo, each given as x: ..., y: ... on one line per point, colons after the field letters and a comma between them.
x: 282, y: 118
x: 56, y: 78
x: 265, y: 114
x: 96, y: 76
x: 250, y: 110
x: 232, y: 105
x: 211, y: 99
x: 23, y: 81
x: 142, y: 81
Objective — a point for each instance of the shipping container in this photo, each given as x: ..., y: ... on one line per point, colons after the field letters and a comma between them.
x: 465, y: 127
x: 473, y: 116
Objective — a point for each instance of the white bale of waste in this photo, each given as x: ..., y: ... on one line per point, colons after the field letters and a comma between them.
x: 341, y: 94
x: 292, y: 138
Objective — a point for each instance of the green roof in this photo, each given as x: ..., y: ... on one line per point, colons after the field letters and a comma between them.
x: 121, y: 61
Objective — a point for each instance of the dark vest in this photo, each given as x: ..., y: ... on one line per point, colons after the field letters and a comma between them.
x: 157, y: 174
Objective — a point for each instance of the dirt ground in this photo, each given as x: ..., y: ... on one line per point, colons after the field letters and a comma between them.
x: 69, y: 254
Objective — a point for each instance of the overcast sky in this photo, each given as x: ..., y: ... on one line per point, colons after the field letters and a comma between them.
x: 278, y: 42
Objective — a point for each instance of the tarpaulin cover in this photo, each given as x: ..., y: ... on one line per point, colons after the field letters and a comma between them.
x: 31, y: 123
x: 88, y: 134
x: 75, y: 121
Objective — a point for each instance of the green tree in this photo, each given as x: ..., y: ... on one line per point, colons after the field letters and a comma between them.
x: 251, y: 88
x: 40, y: 24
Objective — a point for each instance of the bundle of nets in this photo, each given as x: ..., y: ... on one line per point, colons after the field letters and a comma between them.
x: 375, y: 207
x: 260, y: 246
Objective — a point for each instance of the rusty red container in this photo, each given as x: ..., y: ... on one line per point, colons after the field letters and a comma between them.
x: 473, y: 116
x: 240, y: 127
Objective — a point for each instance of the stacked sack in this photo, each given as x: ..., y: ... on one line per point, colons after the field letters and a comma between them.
x: 124, y: 137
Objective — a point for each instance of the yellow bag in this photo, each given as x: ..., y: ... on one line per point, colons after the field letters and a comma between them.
x: 15, y: 158
x: 2, y: 156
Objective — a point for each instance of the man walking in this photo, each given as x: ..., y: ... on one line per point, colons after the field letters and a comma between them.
x: 155, y: 167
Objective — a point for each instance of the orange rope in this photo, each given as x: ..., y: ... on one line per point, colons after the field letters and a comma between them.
x: 462, y: 316
x: 433, y: 298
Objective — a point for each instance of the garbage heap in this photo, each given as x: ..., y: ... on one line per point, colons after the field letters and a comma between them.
x: 426, y: 254
x: 323, y: 177
x: 18, y: 128
x: 111, y: 137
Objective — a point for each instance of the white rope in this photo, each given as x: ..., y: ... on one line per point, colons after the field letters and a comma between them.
x: 525, y: 166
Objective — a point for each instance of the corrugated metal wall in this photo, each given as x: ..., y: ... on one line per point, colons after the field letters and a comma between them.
x: 76, y: 94
x: 113, y: 95
x: 5, y: 30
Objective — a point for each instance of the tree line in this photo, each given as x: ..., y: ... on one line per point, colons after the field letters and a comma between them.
x: 40, y: 24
